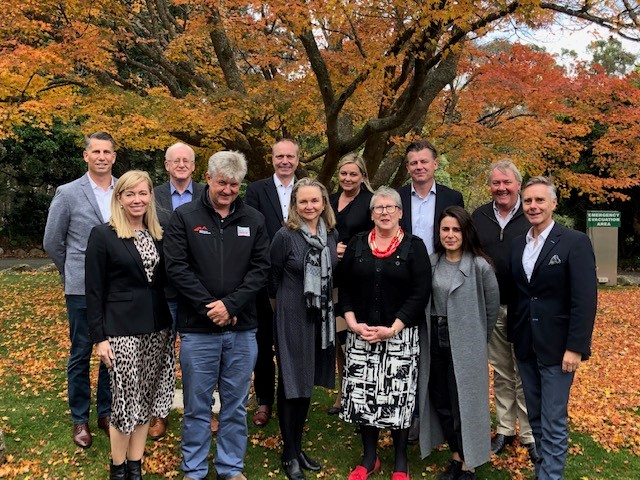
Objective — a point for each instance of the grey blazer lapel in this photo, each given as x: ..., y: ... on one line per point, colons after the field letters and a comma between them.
x: 164, y: 197
x: 87, y: 190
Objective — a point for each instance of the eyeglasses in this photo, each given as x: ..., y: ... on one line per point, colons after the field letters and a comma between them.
x: 178, y: 161
x: 380, y: 209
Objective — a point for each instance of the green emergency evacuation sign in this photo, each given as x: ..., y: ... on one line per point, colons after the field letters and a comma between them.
x: 603, y: 218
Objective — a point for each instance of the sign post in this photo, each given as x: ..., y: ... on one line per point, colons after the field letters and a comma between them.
x: 602, y: 228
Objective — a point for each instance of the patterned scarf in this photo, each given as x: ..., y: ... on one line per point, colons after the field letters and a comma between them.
x: 318, y: 285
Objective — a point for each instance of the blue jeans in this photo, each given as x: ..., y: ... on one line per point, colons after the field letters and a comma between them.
x: 78, y: 383
x: 207, y: 359
x: 546, y: 393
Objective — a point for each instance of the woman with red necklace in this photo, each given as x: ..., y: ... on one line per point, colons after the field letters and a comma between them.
x: 383, y: 298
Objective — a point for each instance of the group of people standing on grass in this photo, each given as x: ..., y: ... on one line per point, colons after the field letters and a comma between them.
x: 407, y: 292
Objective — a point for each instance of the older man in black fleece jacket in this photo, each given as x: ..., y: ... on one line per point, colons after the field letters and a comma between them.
x: 217, y: 257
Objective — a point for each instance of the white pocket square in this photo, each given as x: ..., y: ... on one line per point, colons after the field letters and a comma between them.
x: 555, y: 260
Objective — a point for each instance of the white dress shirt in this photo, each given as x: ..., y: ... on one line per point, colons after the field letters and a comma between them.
x: 284, y: 194
x: 103, y: 197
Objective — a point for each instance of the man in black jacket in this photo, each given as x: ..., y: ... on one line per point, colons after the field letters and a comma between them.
x: 217, y: 256
x: 423, y: 200
x: 498, y: 223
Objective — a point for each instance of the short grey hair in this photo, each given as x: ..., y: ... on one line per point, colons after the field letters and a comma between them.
x: 385, y: 192
x: 178, y: 145
x: 229, y: 164
x: 504, y: 165
x: 540, y: 180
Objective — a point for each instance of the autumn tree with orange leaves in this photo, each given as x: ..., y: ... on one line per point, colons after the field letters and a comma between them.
x: 580, y: 126
x: 337, y: 75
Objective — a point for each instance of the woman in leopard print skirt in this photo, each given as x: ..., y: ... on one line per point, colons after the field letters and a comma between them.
x: 129, y: 319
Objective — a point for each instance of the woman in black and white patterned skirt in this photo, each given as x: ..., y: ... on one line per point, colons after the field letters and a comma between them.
x: 129, y: 318
x: 383, y: 297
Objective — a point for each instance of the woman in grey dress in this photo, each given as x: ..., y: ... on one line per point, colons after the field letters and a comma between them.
x: 454, y: 372
x: 303, y: 256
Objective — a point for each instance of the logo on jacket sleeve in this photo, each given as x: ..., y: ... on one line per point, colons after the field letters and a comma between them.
x: 202, y: 230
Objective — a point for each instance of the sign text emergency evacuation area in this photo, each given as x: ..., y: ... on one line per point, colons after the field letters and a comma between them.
x: 602, y: 218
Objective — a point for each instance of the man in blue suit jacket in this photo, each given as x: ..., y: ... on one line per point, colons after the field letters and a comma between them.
x: 550, y: 319
x: 76, y: 208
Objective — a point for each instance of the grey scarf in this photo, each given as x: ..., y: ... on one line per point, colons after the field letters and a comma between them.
x: 318, y: 285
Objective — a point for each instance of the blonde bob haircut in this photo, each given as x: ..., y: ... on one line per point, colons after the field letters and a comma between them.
x: 359, y: 162
x: 295, y: 221
x: 119, y: 220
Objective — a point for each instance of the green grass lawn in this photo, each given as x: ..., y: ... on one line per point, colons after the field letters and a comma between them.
x: 35, y: 418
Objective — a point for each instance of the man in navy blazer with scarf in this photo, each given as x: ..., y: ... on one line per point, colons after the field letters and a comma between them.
x: 550, y: 319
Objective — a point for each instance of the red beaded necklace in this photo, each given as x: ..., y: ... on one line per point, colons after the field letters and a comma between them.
x: 393, y: 245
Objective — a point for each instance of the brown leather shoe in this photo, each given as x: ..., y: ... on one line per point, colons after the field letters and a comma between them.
x: 158, y: 427
x: 214, y: 424
x: 103, y: 424
x: 82, y: 435
x: 262, y: 416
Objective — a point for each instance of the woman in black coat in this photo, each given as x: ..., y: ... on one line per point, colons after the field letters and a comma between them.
x: 351, y: 207
x: 129, y: 318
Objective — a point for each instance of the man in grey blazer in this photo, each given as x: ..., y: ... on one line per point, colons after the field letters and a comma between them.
x: 76, y: 208
x: 180, y: 162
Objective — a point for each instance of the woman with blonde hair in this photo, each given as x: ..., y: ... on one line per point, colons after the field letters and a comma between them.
x: 351, y: 206
x: 129, y: 318
x: 303, y: 256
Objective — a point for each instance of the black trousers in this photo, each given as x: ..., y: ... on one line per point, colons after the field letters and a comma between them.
x: 443, y: 391
x: 264, y: 378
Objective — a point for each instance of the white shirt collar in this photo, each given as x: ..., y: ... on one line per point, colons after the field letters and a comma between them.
x: 543, y: 236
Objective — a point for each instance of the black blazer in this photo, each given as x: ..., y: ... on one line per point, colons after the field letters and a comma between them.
x: 164, y: 206
x: 555, y: 311
x: 359, y: 217
x: 263, y: 196
x: 120, y: 301
x: 445, y: 197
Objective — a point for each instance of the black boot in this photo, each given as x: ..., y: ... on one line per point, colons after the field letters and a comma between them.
x: 117, y: 472
x: 134, y: 470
